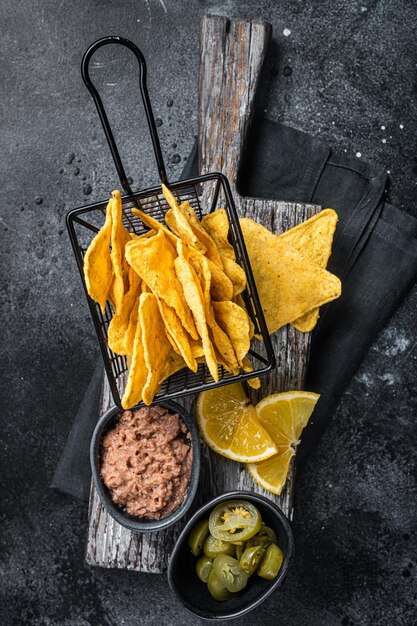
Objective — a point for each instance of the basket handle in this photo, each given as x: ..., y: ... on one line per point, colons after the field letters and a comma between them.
x: 102, y: 113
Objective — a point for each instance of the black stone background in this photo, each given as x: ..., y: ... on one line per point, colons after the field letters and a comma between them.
x: 346, y: 70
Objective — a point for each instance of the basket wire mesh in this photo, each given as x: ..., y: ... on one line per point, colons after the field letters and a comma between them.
x: 208, y: 191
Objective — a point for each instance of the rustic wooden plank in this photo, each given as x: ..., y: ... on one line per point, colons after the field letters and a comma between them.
x: 232, y: 53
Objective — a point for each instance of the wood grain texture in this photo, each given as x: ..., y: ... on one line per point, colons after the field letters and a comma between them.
x: 232, y: 53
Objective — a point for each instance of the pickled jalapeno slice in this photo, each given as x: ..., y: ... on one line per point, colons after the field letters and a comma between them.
x: 239, y: 550
x: 203, y: 567
x: 263, y: 538
x: 235, y: 520
x: 251, y: 558
x: 229, y: 573
x: 212, y: 547
x: 271, y: 562
x: 217, y: 590
x: 198, y: 536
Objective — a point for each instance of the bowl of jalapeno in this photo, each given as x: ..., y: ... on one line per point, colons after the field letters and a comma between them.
x: 232, y: 554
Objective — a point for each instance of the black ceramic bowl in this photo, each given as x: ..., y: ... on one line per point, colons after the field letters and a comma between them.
x: 144, y: 524
x: 193, y: 593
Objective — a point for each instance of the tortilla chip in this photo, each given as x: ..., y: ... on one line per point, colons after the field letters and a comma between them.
x: 147, y: 235
x: 288, y: 285
x: 119, y: 237
x: 156, y: 346
x: 153, y: 259
x: 169, y: 197
x: 221, y: 287
x: 222, y: 343
x: 234, y: 321
x: 153, y: 224
x: 197, y: 349
x: 216, y: 224
x: 240, y: 302
x: 174, y: 364
x: 313, y: 238
x: 180, y: 226
x: 117, y: 332
x: 236, y: 275
x: 98, y: 271
x: 195, y: 299
x: 178, y: 221
x: 131, y: 330
x: 190, y: 215
x: 178, y: 336
x: 137, y: 372
x: 255, y: 383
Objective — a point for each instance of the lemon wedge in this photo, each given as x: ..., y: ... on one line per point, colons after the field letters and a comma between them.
x: 283, y: 415
x: 228, y: 424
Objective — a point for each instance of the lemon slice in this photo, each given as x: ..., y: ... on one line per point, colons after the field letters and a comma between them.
x: 272, y: 473
x: 228, y: 424
x: 283, y: 415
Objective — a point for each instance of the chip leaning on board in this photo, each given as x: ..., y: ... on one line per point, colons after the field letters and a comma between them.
x: 175, y: 290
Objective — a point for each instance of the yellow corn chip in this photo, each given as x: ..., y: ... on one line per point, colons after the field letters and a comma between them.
x: 98, y: 272
x: 169, y: 197
x: 190, y: 216
x: 216, y: 225
x: 174, y: 364
x: 137, y: 372
x: 153, y: 224
x: 288, y: 285
x: 236, y: 274
x: 222, y: 343
x: 247, y: 366
x: 195, y: 299
x: 153, y: 260
x: 179, y: 225
x: 131, y: 329
x: 234, y: 321
x: 117, y: 332
x: 197, y: 349
x: 221, y: 286
x: 178, y: 336
x: 240, y: 302
x: 119, y: 237
x: 313, y: 238
x: 156, y: 346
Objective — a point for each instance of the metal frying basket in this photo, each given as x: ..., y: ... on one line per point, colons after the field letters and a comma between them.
x: 210, y: 192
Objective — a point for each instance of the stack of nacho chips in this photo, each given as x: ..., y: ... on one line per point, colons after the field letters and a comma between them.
x: 175, y: 290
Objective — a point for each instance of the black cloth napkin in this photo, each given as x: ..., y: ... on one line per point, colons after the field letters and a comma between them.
x: 374, y: 254
x: 73, y: 472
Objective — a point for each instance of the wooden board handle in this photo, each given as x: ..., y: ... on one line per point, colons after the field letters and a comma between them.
x: 232, y: 52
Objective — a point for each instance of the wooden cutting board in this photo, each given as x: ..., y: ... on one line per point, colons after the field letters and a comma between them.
x: 231, y: 57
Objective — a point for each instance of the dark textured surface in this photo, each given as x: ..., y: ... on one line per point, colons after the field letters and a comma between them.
x: 346, y: 70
